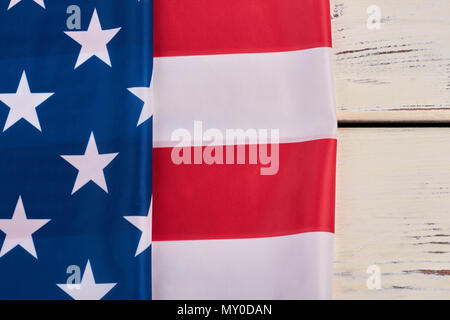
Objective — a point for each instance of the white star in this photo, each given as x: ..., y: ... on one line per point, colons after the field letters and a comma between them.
x: 19, y: 229
x: 146, y: 95
x: 93, y: 41
x: 90, y: 165
x: 143, y: 223
x: 87, y: 289
x: 23, y: 104
x: 14, y: 2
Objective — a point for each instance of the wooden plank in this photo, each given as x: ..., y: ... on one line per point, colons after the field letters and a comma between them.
x: 400, y: 72
x: 393, y: 211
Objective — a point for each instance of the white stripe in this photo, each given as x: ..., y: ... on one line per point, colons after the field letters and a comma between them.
x: 290, y: 267
x: 290, y: 91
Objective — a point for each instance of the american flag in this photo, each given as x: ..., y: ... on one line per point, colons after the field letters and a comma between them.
x: 75, y: 149
x: 78, y: 217
x: 226, y: 229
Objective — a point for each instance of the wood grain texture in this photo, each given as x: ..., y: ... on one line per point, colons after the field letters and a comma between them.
x: 393, y: 211
x: 400, y: 72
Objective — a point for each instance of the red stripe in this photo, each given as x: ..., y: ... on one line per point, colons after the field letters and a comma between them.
x: 198, y: 27
x: 196, y: 202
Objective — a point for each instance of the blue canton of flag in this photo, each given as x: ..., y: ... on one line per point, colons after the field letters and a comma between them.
x: 75, y: 149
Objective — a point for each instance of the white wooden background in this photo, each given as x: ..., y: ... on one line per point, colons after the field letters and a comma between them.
x: 393, y: 211
x: 393, y: 185
x: 398, y: 71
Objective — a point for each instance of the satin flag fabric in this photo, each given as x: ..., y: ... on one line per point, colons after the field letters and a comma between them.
x: 75, y: 149
x: 223, y: 227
